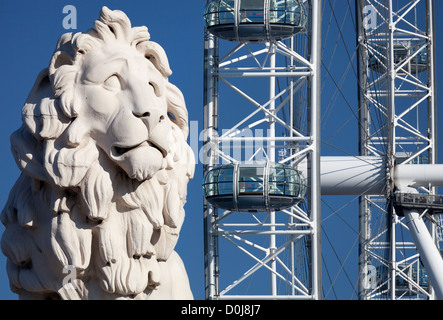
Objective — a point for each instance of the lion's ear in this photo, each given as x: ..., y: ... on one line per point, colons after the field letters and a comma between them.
x: 157, y: 55
x: 59, y: 59
x: 62, y: 74
x: 41, y: 113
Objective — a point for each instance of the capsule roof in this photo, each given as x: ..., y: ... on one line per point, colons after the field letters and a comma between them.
x: 255, y: 20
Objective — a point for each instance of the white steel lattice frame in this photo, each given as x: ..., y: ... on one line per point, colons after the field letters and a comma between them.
x: 404, y: 101
x: 264, y: 237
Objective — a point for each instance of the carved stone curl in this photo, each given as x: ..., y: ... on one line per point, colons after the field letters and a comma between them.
x: 97, y: 210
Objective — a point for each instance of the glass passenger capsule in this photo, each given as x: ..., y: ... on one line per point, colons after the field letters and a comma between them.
x: 416, y: 272
x: 402, y: 50
x: 254, y: 187
x: 255, y: 20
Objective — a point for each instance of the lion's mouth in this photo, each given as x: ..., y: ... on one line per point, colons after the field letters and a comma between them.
x: 119, y: 150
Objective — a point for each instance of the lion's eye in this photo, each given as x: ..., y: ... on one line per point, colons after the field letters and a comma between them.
x: 113, y: 83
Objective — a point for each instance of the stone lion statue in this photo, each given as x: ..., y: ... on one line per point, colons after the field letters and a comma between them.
x: 98, y: 207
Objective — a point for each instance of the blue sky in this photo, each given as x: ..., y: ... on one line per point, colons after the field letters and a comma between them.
x: 29, y: 31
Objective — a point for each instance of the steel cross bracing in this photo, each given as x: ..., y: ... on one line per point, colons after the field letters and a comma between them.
x: 283, y: 246
x: 397, y: 115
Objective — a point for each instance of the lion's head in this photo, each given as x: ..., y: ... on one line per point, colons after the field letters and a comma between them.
x: 105, y: 166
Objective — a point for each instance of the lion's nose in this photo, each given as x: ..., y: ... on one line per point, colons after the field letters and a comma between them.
x: 152, y: 118
x: 158, y: 129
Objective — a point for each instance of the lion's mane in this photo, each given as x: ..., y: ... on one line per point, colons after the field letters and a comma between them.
x: 74, y: 210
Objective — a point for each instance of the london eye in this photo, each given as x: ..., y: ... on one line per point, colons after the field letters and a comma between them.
x: 277, y: 62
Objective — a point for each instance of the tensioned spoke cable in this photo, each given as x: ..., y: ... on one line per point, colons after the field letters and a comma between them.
x: 377, y: 117
x: 329, y: 278
x: 331, y: 103
x: 327, y: 30
x: 343, y: 39
x: 342, y: 264
x: 380, y: 121
x: 341, y: 93
x: 335, y: 46
x: 351, y: 65
x: 335, y: 212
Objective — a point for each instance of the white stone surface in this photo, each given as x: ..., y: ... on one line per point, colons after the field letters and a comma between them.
x: 97, y: 210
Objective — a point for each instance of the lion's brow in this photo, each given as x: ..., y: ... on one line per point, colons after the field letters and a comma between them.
x: 99, y: 72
